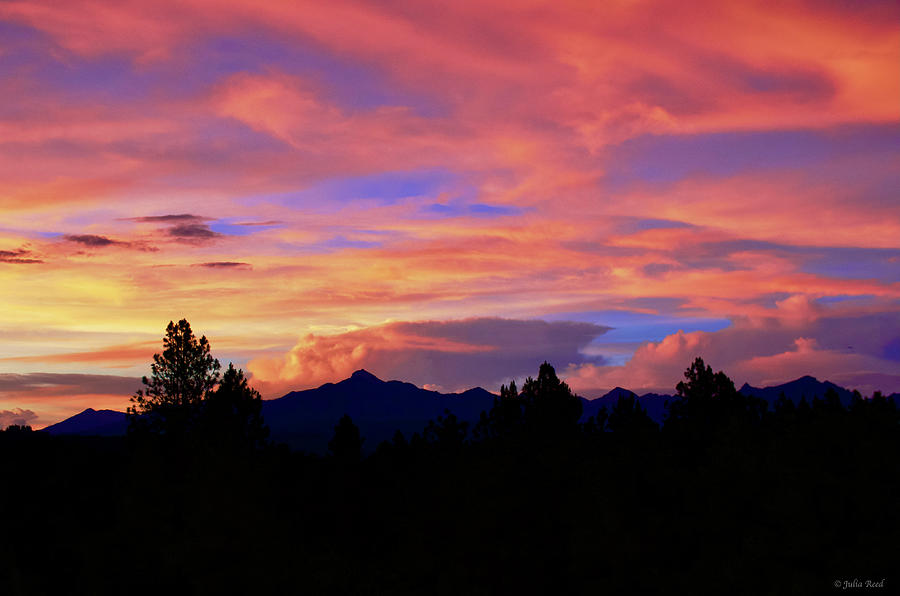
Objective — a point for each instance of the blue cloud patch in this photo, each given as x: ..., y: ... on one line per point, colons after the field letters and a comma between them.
x: 845, y: 298
x: 854, y: 263
x: 460, y: 209
x: 233, y: 226
x: 635, y: 327
x: 349, y: 84
x: 330, y: 245
x: 632, y: 225
x: 386, y: 188
x: 892, y: 350
x: 841, y: 262
x: 665, y: 159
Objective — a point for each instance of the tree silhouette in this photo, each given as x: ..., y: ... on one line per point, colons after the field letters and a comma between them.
x: 707, y: 401
x: 703, y: 385
x: 346, y: 445
x: 550, y: 406
x: 545, y: 408
x: 182, y: 377
x: 448, y: 433
x: 505, y: 416
x: 232, y: 413
x: 17, y: 429
x: 628, y: 416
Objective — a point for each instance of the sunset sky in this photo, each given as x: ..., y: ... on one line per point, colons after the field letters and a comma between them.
x: 447, y: 193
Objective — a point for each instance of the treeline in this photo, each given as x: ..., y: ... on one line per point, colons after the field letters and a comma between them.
x: 727, y: 496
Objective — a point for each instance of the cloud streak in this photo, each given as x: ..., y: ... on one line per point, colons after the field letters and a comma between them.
x: 225, y: 265
x: 19, y: 256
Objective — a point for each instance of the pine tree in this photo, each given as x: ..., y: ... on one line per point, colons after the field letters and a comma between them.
x: 183, y: 376
x: 232, y: 413
x: 346, y: 445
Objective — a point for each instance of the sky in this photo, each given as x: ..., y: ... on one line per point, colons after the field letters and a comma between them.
x: 447, y: 193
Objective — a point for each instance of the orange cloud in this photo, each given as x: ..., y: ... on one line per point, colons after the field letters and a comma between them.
x: 125, y: 355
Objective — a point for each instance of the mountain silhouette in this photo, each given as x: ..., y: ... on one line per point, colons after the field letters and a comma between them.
x: 103, y: 423
x: 305, y: 420
x: 806, y: 386
x: 653, y: 403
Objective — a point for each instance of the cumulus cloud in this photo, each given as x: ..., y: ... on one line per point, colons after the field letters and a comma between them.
x: 16, y: 416
x: 448, y: 354
x: 843, y: 344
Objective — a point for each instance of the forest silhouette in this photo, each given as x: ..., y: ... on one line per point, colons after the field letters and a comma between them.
x: 727, y: 495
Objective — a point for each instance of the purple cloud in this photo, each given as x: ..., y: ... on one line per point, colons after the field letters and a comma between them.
x: 20, y: 256
x: 181, y: 218
x: 16, y: 416
x: 192, y: 233
x: 225, y: 265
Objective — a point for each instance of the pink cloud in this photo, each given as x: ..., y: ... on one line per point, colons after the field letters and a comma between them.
x: 16, y: 416
x: 840, y: 344
x: 449, y: 354
x: 382, y: 138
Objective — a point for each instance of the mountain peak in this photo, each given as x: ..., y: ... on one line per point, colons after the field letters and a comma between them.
x: 364, y: 375
x: 618, y: 392
x: 807, y: 379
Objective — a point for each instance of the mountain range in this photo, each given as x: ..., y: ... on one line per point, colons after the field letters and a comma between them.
x: 305, y: 420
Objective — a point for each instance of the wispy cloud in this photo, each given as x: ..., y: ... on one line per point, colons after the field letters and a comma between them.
x: 94, y: 241
x: 175, y: 219
x: 59, y: 384
x: 20, y: 256
x: 100, y: 242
